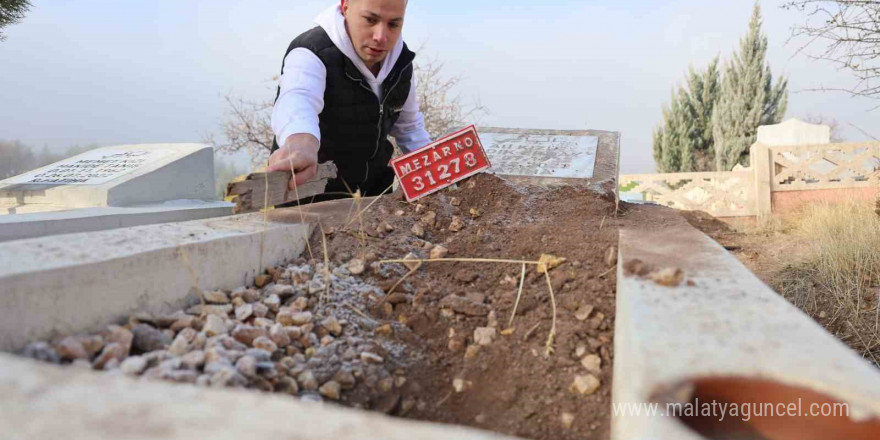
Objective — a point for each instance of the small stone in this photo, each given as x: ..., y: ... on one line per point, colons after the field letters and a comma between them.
x: 585, y: 385
x: 215, y: 325
x: 822, y: 315
x: 301, y: 303
x: 387, y: 227
x: 332, y: 325
x: 484, y: 335
x: 371, y: 358
x: 418, y: 230
x: 458, y: 385
x: 455, y: 201
x: 264, y: 343
x: 611, y: 256
x: 210, y: 309
x: 187, y: 321
x: 71, y: 348
x: 472, y: 352
x: 244, y: 312
x: 134, y: 366
x: 419, y: 208
x: 669, y: 277
x: 147, y: 338
x: 384, y: 329
x: 455, y: 345
x: 567, y: 420
x: 399, y: 213
x: 331, y: 390
x: 273, y: 302
x: 247, y: 366
x: 121, y: 336
x: 307, y: 381
x: 386, y: 385
x: 580, y: 351
x: 356, y: 266
x: 592, y: 363
x: 179, y: 347
x: 414, y: 264
x: 429, y: 219
x: 287, y: 385
x: 480, y: 418
x: 464, y: 306
x: 438, y: 252
x: 111, y: 351
x: 193, y: 360
x: 92, y: 344
x: 41, y: 351
x: 345, y: 379
x: 261, y: 280
x: 316, y: 285
x: 250, y: 296
x: 216, y: 297
x: 475, y: 213
x: 247, y: 333
x: 279, y: 335
x: 492, y: 320
x: 300, y: 318
x: 583, y: 312
x: 456, y: 225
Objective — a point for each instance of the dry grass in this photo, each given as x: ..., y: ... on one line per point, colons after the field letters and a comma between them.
x: 838, y: 282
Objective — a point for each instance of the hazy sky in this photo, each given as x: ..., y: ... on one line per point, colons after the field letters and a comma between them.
x: 113, y: 72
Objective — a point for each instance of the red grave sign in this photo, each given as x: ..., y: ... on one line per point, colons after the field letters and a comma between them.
x: 440, y: 164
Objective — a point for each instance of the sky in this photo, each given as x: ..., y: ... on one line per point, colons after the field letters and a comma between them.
x: 107, y: 72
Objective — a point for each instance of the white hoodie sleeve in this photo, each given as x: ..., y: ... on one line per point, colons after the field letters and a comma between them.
x: 302, y: 96
x: 409, y: 131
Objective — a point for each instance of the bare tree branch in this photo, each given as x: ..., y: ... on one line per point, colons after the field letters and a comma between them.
x: 845, y: 33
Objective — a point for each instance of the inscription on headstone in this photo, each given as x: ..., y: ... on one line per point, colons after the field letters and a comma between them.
x: 91, y: 168
x: 540, y: 154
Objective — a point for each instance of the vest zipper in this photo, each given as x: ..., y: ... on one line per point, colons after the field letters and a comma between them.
x: 381, y: 112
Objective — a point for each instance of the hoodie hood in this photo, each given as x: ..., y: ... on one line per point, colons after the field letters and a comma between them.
x: 333, y: 22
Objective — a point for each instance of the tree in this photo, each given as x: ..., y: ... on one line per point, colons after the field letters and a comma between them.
x: 12, y: 12
x: 247, y: 124
x: 443, y: 111
x: 747, y: 100
x: 683, y: 143
x: 837, y: 135
x: 846, y: 34
x: 15, y: 158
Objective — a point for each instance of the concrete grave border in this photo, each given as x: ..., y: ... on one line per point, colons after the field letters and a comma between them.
x: 729, y: 324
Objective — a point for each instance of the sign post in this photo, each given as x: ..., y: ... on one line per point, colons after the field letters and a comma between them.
x: 440, y: 164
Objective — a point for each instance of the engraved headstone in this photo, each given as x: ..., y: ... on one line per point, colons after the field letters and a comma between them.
x: 541, y: 153
x: 120, y: 176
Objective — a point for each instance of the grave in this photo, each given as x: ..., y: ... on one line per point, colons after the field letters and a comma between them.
x: 567, y: 157
x: 111, y: 187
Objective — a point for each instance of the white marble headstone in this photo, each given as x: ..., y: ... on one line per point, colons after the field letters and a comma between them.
x: 540, y: 154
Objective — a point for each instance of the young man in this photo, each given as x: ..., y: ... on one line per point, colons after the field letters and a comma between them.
x: 345, y: 86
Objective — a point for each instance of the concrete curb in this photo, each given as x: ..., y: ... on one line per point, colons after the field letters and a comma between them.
x: 728, y: 324
x: 80, y: 282
x: 42, y: 401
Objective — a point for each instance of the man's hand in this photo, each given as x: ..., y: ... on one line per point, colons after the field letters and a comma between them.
x: 299, y: 153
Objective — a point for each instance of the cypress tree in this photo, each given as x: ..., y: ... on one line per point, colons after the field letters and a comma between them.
x: 683, y: 143
x: 747, y: 100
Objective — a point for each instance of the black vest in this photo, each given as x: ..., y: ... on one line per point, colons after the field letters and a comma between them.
x: 354, y: 123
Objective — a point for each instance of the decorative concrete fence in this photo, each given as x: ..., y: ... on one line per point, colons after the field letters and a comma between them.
x: 780, y: 178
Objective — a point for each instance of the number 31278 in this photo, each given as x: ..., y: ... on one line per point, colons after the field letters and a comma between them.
x: 470, y: 161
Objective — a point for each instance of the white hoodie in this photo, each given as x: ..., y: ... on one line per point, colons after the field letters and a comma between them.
x: 304, y: 80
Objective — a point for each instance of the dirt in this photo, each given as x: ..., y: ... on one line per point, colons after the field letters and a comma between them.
x: 436, y: 346
x: 511, y: 385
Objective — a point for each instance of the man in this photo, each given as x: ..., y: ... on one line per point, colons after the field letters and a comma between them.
x: 345, y: 86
